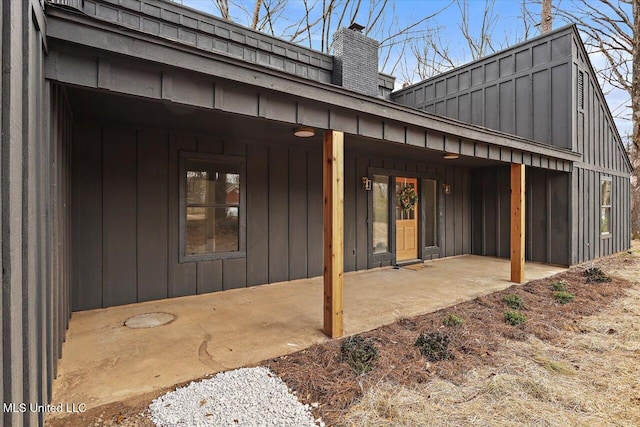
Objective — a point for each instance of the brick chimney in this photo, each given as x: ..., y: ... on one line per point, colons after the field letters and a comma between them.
x: 355, y: 60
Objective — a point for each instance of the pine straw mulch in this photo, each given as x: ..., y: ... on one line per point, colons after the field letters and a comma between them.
x: 319, y: 377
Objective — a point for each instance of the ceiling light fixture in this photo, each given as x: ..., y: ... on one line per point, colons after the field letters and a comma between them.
x: 450, y: 156
x: 304, y: 132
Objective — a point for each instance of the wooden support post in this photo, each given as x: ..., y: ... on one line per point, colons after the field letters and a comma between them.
x: 517, y: 222
x: 333, y: 219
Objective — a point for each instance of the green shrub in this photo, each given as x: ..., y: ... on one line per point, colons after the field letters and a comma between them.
x: 595, y: 275
x: 452, y: 320
x: 359, y: 353
x: 514, y: 318
x: 513, y: 301
x: 560, y: 286
x: 563, y: 297
x: 434, y: 346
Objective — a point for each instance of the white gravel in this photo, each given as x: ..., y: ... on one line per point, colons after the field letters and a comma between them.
x: 243, y: 397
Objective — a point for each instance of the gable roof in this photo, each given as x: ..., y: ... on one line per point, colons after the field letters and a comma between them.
x: 491, y: 56
x: 416, y: 95
x: 600, y: 94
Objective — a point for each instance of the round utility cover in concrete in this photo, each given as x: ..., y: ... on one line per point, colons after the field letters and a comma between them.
x: 149, y: 320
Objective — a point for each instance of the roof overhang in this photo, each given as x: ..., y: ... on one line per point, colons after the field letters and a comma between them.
x: 93, y: 53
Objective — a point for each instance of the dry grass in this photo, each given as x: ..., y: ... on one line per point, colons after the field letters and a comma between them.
x: 587, y: 376
x: 533, y: 387
x: 570, y: 364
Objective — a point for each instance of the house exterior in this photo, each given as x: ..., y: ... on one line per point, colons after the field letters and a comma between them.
x: 149, y: 151
x: 544, y: 90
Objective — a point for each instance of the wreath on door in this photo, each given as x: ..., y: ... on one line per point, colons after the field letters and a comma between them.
x: 408, y: 198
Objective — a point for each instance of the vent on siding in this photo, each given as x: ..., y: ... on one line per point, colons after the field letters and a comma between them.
x: 581, y: 90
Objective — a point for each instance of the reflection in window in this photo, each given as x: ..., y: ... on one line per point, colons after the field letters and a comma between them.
x: 605, y: 205
x: 212, y: 207
x: 380, y: 214
x: 430, y: 207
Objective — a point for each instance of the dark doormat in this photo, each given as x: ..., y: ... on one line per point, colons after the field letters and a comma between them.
x: 415, y: 267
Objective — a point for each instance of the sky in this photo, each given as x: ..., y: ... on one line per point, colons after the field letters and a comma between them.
x: 507, y: 30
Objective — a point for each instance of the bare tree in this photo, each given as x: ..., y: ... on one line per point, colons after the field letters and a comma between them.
x: 612, y: 28
x: 319, y: 19
x: 481, y: 43
x: 223, y: 7
x: 261, y: 16
x: 256, y: 14
x: 432, y: 54
x: 546, y: 17
x: 529, y: 20
x: 396, y: 39
x: 317, y: 16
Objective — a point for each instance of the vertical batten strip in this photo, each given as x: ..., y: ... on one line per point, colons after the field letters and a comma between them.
x: 333, y: 225
x: 517, y: 222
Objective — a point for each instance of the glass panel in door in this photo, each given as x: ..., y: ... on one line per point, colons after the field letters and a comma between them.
x: 380, y: 214
x: 406, y: 190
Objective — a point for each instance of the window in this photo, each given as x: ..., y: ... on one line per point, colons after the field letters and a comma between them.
x: 380, y: 214
x: 605, y: 206
x: 211, y: 211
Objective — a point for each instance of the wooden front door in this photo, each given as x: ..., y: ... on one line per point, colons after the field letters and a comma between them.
x: 406, y: 222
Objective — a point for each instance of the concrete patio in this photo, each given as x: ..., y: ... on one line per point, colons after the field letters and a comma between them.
x: 104, y: 361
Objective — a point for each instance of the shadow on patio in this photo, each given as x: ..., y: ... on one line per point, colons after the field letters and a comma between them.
x: 104, y: 361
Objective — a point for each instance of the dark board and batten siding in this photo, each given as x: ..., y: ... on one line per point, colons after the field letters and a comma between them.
x: 453, y: 210
x: 60, y: 133
x: 547, y: 214
x: 603, y: 156
x: 126, y: 216
x: 125, y: 209
x: 454, y: 222
x: 122, y: 187
x: 524, y: 90
x: 34, y: 240
x: 208, y: 33
x: 595, y: 136
x: 589, y: 243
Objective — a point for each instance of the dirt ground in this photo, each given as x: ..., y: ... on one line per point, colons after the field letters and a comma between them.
x: 569, y: 364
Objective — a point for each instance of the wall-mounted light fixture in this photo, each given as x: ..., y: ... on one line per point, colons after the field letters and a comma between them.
x: 366, y: 183
x: 446, y: 188
x: 304, y: 132
x: 451, y: 156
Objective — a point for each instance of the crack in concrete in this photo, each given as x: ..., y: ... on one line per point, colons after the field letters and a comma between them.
x: 207, y: 358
